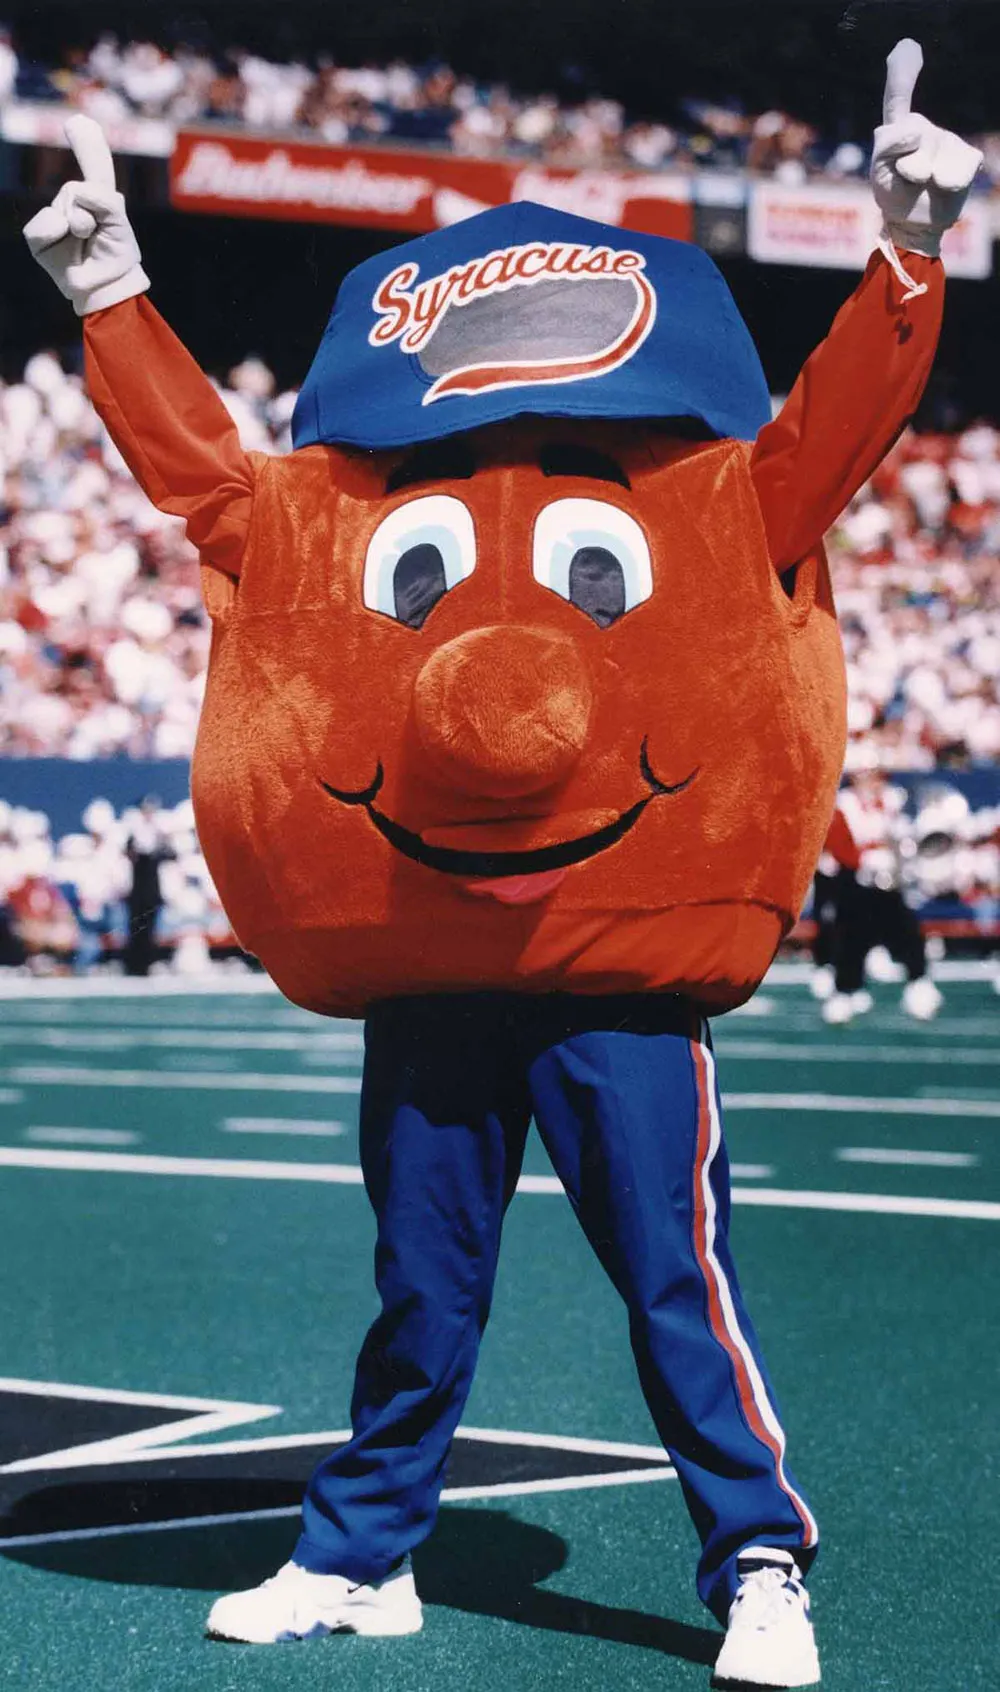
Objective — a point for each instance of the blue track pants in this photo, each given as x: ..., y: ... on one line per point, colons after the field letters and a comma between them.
x: 623, y: 1092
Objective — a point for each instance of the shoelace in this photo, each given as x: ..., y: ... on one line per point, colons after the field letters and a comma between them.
x: 764, y: 1595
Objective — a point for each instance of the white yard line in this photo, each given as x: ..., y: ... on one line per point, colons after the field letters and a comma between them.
x: 949, y: 969
x: 155, y: 1446
x: 848, y: 1104
x: 175, y: 1014
x: 221, y: 984
x: 217, y: 985
x: 82, y: 1136
x: 967, y: 1027
x: 79, y: 1075
x: 450, y: 1495
x: 158, y: 1400
x: 786, y: 1051
x: 328, y: 1438
x: 117, y: 1039
x: 292, y: 1127
x: 208, y: 1415
x: 321, y: 1045
x: 956, y: 1092
x: 881, y: 1204
x: 70, y: 1536
x: 565, y: 1483
x: 564, y: 1442
x: 346, y: 1174
x: 891, y: 1155
x: 59, y: 1075
x: 209, y: 1168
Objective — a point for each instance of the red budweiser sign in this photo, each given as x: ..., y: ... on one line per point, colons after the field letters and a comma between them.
x: 392, y: 188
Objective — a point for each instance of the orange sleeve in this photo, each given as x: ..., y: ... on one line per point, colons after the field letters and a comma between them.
x: 840, y: 842
x: 171, y: 427
x: 851, y: 402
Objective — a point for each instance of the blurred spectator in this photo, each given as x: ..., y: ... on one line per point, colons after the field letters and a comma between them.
x: 918, y: 594
x: 432, y: 105
x: 428, y: 105
x: 38, y: 920
x: 81, y: 901
x: 42, y: 921
x: 782, y: 147
x: 103, y: 642
x: 8, y: 65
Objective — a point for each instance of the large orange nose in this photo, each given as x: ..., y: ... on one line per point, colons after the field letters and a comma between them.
x: 504, y: 710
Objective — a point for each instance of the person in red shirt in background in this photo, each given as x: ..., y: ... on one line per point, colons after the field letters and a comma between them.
x: 838, y: 863
x: 42, y: 924
x: 862, y: 868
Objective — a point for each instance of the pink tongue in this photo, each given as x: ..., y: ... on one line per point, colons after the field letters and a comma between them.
x: 517, y: 889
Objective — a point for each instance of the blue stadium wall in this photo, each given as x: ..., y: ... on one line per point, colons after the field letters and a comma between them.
x: 63, y: 787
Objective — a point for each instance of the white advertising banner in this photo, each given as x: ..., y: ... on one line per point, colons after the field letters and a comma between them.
x: 39, y: 123
x: 835, y: 226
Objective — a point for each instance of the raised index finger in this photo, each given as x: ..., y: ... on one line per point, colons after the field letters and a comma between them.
x: 93, y: 154
x: 902, y: 68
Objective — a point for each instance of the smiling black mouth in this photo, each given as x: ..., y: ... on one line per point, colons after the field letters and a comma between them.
x: 454, y: 861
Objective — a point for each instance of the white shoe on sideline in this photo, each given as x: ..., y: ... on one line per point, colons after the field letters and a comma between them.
x: 921, y: 999
x: 298, y: 1604
x: 839, y: 1008
x: 862, y: 1002
x: 769, y: 1640
x: 821, y: 982
x: 881, y: 966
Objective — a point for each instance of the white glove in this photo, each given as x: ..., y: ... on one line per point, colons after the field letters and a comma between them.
x: 84, y: 239
x: 920, y: 174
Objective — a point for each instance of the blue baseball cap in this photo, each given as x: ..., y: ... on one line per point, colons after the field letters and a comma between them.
x: 523, y: 309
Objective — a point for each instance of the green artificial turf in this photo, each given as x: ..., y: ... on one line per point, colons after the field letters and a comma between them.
x: 879, y: 1330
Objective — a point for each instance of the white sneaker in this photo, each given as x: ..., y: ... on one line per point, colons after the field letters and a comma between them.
x: 862, y: 1002
x: 881, y: 966
x: 839, y: 1008
x: 921, y: 999
x: 769, y: 1641
x: 298, y: 1604
x: 821, y: 982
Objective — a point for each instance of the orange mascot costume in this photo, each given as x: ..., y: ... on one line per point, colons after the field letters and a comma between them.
x: 524, y: 720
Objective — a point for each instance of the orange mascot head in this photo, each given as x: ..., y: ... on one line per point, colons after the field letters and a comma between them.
x: 510, y: 695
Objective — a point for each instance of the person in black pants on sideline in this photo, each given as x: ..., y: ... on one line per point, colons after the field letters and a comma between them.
x: 147, y: 850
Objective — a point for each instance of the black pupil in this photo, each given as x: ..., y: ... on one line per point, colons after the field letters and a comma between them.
x: 597, y: 584
x: 418, y: 583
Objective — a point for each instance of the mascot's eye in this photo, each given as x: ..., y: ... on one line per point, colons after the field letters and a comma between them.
x: 416, y: 554
x: 593, y: 554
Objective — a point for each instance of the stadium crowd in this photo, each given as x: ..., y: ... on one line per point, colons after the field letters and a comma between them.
x: 918, y: 594
x: 428, y: 105
x: 103, y: 643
